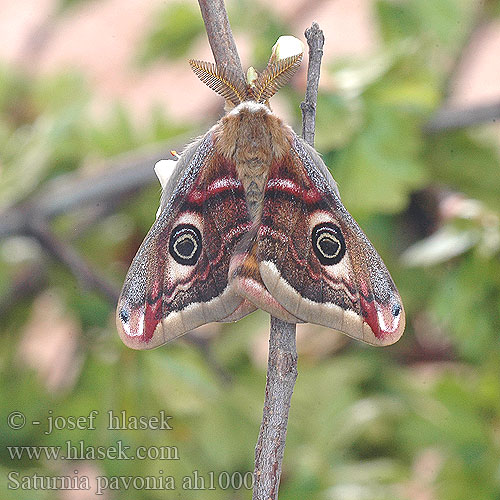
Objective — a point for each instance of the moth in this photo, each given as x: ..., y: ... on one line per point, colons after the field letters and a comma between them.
x: 252, y: 218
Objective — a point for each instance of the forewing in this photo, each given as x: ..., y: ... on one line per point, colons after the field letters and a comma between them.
x: 316, y: 261
x: 179, y: 277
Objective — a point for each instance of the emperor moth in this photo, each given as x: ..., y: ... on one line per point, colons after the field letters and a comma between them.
x: 252, y: 218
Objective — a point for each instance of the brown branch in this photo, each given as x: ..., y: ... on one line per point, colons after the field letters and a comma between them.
x: 115, y: 182
x: 123, y: 176
x: 468, y: 47
x: 26, y: 283
x: 220, y: 37
x: 281, y: 376
x: 446, y: 118
x: 120, y: 177
x: 282, y: 363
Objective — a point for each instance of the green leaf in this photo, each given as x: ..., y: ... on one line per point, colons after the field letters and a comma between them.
x: 466, y: 164
x: 378, y: 170
x: 463, y: 301
x: 337, y: 119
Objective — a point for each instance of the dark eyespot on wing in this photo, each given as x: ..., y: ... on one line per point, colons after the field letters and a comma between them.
x: 185, y: 244
x: 186, y: 247
x: 328, y: 243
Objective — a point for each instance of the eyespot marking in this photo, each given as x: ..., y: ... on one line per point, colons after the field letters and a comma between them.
x: 396, y: 310
x: 124, y: 316
x: 328, y: 243
x: 185, y: 244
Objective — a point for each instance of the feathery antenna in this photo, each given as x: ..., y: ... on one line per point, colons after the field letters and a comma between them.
x: 220, y: 81
x: 261, y: 89
x: 275, y: 76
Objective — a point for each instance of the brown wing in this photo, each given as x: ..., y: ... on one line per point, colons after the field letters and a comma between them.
x: 316, y: 261
x: 179, y: 278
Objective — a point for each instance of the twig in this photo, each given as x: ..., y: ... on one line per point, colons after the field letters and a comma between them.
x: 468, y: 48
x: 315, y: 40
x: 282, y: 363
x: 27, y: 283
x: 446, y: 118
x: 119, y: 177
x: 204, y: 345
x: 281, y: 376
x: 37, y: 40
x: 124, y: 175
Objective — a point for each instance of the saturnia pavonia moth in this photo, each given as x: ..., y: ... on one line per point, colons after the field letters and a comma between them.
x: 252, y: 218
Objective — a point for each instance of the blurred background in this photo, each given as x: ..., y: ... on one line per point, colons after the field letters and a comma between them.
x: 93, y: 93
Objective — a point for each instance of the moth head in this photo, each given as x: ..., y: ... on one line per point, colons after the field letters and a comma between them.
x: 285, y: 60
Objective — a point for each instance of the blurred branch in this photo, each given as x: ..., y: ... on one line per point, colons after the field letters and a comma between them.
x: 121, y: 177
x: 449, y: 119
x: 467, y: 48
x: 204, y: 345
x: 25, y: 284
x: 446, y: 118
x: 66, y: 254
x: 37, y: 40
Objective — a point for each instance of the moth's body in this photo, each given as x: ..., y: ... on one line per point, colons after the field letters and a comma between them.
x: 252, y: 138
x: 251, y: 218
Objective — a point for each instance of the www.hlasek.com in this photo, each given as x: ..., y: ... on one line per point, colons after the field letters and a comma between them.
x: 100, y: 484
x: 80, y: 451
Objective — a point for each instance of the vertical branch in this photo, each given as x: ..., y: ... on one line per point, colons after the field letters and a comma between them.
x: 282, y: 362
x: 220, y: 36
x: 281, y: 376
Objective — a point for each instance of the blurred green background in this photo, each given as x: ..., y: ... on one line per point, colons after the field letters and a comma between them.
x: 93, y: 92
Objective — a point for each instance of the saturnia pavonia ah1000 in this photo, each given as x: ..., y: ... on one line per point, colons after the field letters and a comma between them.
x: 251, y: 218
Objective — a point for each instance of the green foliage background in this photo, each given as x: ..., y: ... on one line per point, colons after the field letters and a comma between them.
x: 364, y: 421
